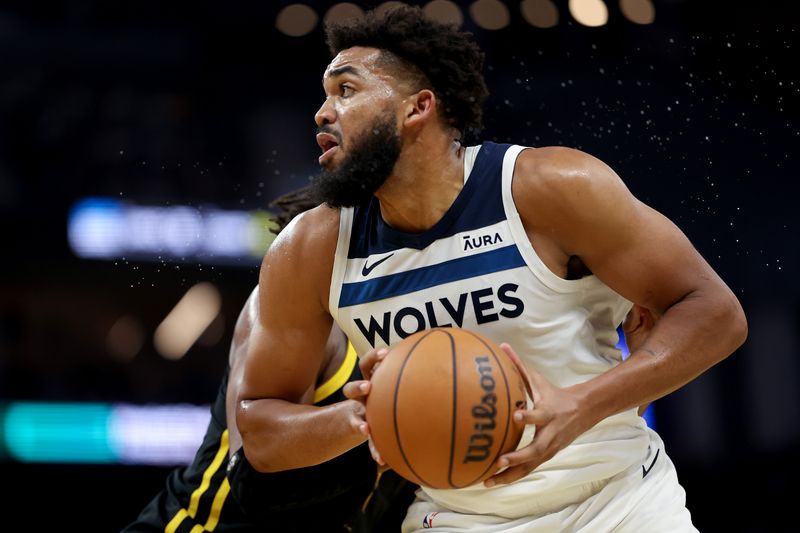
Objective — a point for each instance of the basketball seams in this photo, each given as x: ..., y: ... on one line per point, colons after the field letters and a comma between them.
x: 508, y: 404
x: 508, y: 410
x: 394, y: 406
x: 454, y: 416
x: 413, y: 448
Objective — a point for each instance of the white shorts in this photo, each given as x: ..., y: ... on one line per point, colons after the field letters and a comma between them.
x: 644, y: 497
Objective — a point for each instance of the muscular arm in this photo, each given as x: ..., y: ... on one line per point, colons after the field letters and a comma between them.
x: 284, y: 355
x: 236, y: 358
x: 578, y: 205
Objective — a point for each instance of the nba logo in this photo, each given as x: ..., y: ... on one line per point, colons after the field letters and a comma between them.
x: 427, y: 522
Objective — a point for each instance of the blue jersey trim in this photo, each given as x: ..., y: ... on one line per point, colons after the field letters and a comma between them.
x: 479, y: 204
x: 418, y: 279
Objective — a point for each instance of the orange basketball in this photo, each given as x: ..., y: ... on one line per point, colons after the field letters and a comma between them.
x: 440, y: 407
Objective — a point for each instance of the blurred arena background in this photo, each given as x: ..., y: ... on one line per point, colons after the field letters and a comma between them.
x: 140, y: 143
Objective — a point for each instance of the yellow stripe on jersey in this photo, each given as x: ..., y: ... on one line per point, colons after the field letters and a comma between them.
x: 374, y: 488
x: 194, y: 500
x: 216, y: 507
x: 336, y: 381
x: 176, y: 521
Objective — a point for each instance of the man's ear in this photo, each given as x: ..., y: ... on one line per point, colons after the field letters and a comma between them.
x: 420, y: 107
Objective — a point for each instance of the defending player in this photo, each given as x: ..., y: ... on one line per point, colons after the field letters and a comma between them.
x: 221, y: 491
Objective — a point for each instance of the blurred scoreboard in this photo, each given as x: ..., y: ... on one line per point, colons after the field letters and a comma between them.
x: 110, y: 229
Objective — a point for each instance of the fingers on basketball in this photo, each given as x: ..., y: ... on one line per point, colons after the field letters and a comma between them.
x: 371, y: 361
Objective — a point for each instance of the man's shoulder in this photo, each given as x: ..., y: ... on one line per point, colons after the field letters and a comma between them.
x: 310, y: 230
x: 557, y: 169
x: 558, y: 180
x: 306, y: 247
x: 300, y: 259
x: 555, y: 162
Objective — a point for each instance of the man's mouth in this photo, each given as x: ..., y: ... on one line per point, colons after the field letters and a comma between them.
x: 329, y: 145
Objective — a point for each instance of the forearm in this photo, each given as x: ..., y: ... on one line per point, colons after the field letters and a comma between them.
x: 279, y: 435
x: 693, y: 335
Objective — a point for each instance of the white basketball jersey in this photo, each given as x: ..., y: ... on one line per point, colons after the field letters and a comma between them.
x: 476, y: 269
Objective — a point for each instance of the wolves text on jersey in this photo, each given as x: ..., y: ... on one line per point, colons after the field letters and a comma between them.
x: 485, y: 305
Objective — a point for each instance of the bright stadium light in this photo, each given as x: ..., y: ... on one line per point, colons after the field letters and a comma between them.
x: 101, y: 433
x: 100, y: 228
x: 590, y: 13
x: 187, y: 321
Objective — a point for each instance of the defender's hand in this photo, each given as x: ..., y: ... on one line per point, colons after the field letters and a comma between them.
x: 371, y: 361
x: 359, y: 390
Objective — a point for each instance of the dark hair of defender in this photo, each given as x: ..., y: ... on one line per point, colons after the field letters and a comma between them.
x: 290, y: 205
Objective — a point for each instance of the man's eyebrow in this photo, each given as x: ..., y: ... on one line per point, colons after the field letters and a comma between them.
x: 347, y: 69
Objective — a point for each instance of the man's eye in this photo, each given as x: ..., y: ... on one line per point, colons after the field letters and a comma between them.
x: 345, y: 90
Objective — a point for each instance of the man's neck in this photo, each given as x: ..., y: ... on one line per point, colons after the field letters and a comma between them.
x: 426, y: 181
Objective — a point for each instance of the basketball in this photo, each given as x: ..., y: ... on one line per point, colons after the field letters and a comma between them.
x: 440, y: 408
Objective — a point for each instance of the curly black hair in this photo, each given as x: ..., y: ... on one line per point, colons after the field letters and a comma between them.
x: 444, y: 59
x: 290, y: 205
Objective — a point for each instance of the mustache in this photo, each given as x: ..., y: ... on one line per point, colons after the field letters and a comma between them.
x: 326, y: 128
x: 369, y: 162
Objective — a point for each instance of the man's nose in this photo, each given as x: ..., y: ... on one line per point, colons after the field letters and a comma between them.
x: 325, y: 114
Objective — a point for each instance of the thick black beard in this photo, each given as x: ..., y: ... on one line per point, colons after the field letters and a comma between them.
x: 369, y: 163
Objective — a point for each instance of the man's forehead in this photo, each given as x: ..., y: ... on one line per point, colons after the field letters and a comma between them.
x: 357, y: 60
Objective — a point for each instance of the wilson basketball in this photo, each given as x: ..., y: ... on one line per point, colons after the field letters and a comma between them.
x: 440, y: 407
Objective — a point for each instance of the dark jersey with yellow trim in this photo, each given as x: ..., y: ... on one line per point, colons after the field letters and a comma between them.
x: 214, y: 493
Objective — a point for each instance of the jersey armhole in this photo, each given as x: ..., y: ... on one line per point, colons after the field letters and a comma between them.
x: 534, y: 262
x: 340, y: 260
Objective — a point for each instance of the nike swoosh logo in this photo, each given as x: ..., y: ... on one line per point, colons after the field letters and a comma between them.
x: 647, y: 471
x: 367, y: 269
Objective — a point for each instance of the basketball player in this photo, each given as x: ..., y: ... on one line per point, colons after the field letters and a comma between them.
x: 544, y: 249
x: 220, y: 491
